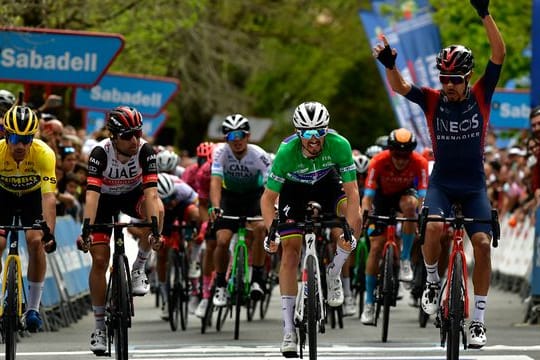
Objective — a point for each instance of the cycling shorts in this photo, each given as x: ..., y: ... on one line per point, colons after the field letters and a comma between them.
x: 179, y: 212
x: 384, y: 204
x: 110, y: 206
x: 29, y: 205
x: 474, y: 204
x: 238, y: 204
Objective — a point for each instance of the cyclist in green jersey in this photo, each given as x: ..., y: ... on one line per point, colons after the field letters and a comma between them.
x: 315, y: 164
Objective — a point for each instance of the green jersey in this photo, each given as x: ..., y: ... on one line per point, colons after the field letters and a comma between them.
x: 291, y: 165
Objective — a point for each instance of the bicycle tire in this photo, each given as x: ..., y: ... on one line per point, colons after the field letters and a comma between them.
x: 388, y: 290
x: 360, y: 275
x: 173, y: 289
x: 271, y: 282
x: 238, y: 290
x: 11, y: 306
x: 222, y: 313
x: 312, y: 309
x: 183, y: 290
x: 206, y: 321
x: 122, y: 310
x: 455, y: 312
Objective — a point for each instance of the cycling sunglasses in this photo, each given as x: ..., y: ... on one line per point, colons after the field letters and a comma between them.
x: 127, y: 135
x: 236, y: 135
x: 454, y: 79
x: 309, y: 133
x: 15, y: 139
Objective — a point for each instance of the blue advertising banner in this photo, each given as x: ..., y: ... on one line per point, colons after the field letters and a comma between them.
x: 46, y: 56
x: 148, y: 94
x: 510, y: 109
x: 95, y: 120
x: 417, y: 42
x: 535, y: 62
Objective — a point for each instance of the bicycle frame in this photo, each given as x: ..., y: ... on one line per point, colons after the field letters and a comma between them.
x: 457, y: 248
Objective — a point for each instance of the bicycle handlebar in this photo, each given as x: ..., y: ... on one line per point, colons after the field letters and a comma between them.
x: 240, y: 218
x: 460, y: 221
x: 38, y: 225
x: 87, y: 227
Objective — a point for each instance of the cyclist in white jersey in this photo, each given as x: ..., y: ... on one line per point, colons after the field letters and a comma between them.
x: 239, y: 172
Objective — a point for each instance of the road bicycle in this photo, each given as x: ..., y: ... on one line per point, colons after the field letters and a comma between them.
x: 13, y: 293
x: 239, y: 284
x: 309, y: 315
x: 119, y: 299
x: 178, y: 283
x: 454, y: 297
x: 386, y: 291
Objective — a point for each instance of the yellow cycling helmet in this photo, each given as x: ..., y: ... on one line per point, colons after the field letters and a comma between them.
x: 21, y: 120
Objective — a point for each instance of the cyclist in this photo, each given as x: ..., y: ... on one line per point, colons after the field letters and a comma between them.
x: 361, y: 162
x: 397, y: 179
x: 207, y: 232
x: 238, y: 174
x: 122, y: 176
x: 309, y: 166
x: 457, y: 118
x: 181, y: 205
x: 190, y: 176
x: 373, y: 150
x: 28, y: 184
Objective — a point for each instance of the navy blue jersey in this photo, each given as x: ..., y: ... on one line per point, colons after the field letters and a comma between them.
x: 458, y: 131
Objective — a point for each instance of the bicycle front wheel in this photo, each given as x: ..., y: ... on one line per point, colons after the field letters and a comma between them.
x: 121, y: 311
x: 456, y: 310
x: 239, y: 291
x: 10, y: 320
x: 173, y: 289
x: 312, y: 308
x: 388, y: 290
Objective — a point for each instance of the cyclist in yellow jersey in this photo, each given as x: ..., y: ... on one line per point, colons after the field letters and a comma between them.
x: 28, y: 184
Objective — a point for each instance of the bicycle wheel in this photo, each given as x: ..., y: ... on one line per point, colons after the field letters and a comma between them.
x: 388, y: 290
x: 184, y: 288
x: 121, y: 308
x: 271, y: 282
x: 173, y: 289
x: 312, y: 308
x: 10, y: 320
x: 456, y: 309
x: 238, y: 291
x: 360, y: 277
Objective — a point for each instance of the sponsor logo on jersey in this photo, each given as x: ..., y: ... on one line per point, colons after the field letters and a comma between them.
x: 20, y: 183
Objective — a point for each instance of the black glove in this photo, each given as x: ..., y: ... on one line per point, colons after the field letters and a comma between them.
x: 481, y: 7
x: 49, y: 242
x: 387, y: 58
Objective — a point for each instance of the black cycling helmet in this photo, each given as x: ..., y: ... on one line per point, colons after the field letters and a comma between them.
x: 21, y: 120
x: 401, y: 140
x: 455, y: 59
x: 124, y: 118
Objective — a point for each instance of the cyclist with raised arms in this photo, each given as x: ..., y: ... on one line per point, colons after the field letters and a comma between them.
x: 397, y: 180
x: 28, y: 185
x: 239, y: 172
x: 457, y: 117
x: 122, y: 176
x: 315, y: 164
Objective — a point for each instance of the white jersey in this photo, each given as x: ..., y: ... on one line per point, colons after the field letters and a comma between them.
x: 241, y: 175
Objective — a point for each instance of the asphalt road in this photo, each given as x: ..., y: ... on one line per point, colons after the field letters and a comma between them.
x: 151, y: 338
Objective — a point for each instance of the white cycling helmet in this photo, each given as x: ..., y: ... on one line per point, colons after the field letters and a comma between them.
x: 361, y: 162
x: 311, y: 115
x: 234, y: 122
x: 165, y: 185
x: 167, y: 161
x: 373, y: 150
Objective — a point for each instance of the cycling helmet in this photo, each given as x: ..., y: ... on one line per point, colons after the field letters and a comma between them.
x: 165, y: 185
x: 401, y: 140
x: 382, y: 141
x: 373, y: 150
x: 311, y: 115
x: 361, y: 162
x: 167, y: 161
x: 455, y: 59
x: 21, y: 120
x: 234, y: 122
x: 124, y: 118
x: 7, y: 100
x: 204, y: 150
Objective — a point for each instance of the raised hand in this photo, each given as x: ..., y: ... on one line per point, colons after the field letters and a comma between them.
x: 385, y: 54
x: 481, y: 7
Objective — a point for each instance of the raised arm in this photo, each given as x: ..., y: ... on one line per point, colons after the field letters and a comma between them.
x: 496, y: 42
x: 387, y: 57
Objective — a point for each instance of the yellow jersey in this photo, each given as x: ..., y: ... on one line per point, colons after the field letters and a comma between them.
x: 37, y: 170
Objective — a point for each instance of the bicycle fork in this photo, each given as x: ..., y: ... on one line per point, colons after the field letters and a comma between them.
x: 19, y: 284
